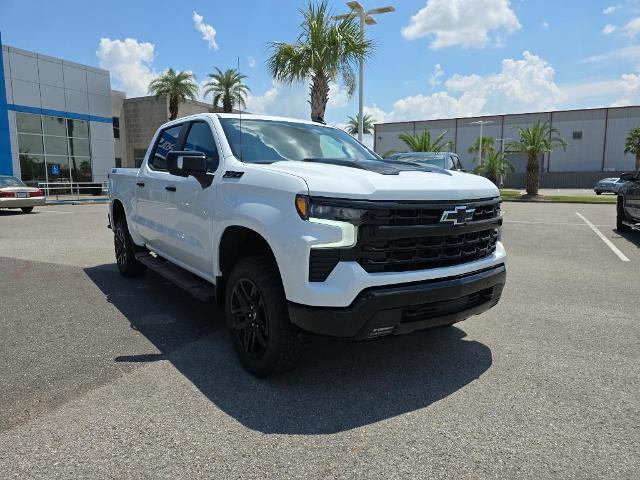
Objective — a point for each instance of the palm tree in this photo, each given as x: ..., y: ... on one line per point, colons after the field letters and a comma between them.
x: 494, y: 166
x: 367, y: 125
x: 538, y: 139
x: 632, y: 145
x: 487, y: 146
x: 178, y: 86
x: 422, y: 142
x: 227, y: 87
x: 325, y: 50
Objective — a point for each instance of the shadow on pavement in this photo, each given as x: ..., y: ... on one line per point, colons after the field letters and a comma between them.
x: 631, y: 237
x: 338, y: 386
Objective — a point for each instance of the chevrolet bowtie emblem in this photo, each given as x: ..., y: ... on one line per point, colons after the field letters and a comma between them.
x: 459, y: 216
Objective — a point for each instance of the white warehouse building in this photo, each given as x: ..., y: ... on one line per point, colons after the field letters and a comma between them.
x: 55, y: 119
x: 595, y: 142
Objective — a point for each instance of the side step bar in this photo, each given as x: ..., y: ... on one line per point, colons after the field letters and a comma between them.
x: 199, y: 288
x: 632, y: 226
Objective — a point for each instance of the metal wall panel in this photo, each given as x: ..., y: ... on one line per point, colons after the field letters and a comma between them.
x: 581, y: 155
x: 387, y: 137
x: 620, y: 122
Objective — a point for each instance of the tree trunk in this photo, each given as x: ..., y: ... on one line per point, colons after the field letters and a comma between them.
x: 533, y: 175
x: 637, y: 162
x: 319, y: 97
x: 227, y: 105
x: 173, y: 108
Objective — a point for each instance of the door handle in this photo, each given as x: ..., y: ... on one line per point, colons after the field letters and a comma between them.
x: 140, y: 184
x: 170, y: 188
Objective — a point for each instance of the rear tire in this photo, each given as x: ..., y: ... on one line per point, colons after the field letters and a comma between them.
x: 598, y: 193
x: 258, y: 319
x: 125, y: 251
x: 620, y: 218
x: 27, y: 209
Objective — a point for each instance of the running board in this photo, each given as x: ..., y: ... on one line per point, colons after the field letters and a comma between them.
x: 199, y: 288
x: 632, y: 226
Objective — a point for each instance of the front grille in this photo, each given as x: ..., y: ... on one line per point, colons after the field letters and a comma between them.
x: 400, y: 237
x: 441, y: 308
x: 418, y: 253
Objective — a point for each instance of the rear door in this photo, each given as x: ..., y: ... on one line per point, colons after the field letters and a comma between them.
x: 153, y: 187
x: 189, y: 215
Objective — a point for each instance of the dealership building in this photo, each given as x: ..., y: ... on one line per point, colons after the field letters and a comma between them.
x: 61, y: 122
x: 595, y: 142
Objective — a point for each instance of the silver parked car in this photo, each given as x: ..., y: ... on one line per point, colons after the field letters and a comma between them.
x: 608, y: 185
x: 15, y: 194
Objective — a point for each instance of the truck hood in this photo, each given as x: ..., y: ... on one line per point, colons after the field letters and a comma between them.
x: 330, y: 180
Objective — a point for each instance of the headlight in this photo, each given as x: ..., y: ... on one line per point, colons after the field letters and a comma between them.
x: 308, y: 208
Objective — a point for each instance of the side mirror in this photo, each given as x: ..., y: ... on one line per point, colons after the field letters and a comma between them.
x: 185, y: 163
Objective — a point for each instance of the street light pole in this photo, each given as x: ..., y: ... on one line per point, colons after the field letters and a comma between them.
x: 481, y: 123
x: 502, y: 140
x: 365, y: 17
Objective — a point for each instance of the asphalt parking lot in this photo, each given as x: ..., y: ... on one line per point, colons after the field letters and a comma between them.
x: 106, y: 377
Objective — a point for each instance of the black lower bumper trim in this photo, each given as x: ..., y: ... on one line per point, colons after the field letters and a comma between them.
x: 401, y: 309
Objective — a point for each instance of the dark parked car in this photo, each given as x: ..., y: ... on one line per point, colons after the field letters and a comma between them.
x: 628, y: 213
x: 446, y: 160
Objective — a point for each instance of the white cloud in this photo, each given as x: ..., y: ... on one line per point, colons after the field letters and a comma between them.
x: 629, y: 55
x: 630, y: 85
x: 293, y: 100
x: 522, y: 85
x: 544, y: 25
x: 468, y: 23
x: 608, y: 29
x: 632, y: 28
x: 438, y: 72
x: 611, y: 10
x: 338, y: 96
x: 251, y: 61
x: 207, y: 31
x: 130, y: 64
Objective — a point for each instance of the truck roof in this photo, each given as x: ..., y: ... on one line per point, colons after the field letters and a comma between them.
x: 244, y: 116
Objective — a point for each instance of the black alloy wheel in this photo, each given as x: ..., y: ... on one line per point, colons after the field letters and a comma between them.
x: 249, y: 322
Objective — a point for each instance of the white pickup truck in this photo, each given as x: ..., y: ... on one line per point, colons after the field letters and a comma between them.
x: 296, y: 228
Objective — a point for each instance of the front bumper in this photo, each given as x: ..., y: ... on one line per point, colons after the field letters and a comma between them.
x: 401, y: 309
x: 21, y: 202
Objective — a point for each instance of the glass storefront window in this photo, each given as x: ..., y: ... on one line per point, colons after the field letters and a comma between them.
x: 81, y: 169
x: 31, y: 144
x: 79, y: 147
x: 53, y: 149
x: 33, y: 168
x: 55, y: 145
x: 77, y: 128
x: 54, y: 126
x: 58, y: 168
x: 28, y: 123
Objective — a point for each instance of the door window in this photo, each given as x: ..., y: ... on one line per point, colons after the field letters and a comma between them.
x: 200, y: 139
x: 167, y: 141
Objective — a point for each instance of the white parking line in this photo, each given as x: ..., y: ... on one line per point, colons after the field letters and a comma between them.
x: 608, y: 242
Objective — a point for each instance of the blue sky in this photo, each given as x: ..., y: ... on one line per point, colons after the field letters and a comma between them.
x: 435, y: 58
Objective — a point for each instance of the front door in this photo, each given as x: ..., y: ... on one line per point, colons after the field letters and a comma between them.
x: 154, y: 193
x: 189, y: 215
x: 633, y: 199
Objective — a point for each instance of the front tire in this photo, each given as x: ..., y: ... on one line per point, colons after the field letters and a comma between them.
x: 258, y: 319
x: 27, y: 209
x: 125, y: 251
x: 620, y: 218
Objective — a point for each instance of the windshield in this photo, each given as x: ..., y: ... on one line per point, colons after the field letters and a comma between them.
x: 268, y: 141
x: 10, y: 182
